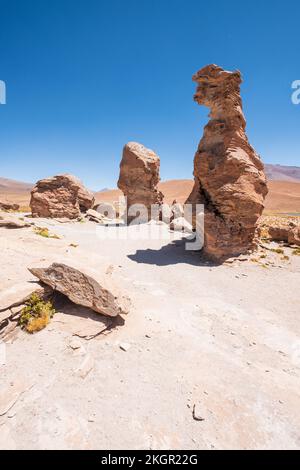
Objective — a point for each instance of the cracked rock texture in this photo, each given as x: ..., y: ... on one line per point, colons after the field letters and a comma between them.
x: 86, y: 287
x: 139, y: 177
x: 229, y: 175
x: 60, y: 196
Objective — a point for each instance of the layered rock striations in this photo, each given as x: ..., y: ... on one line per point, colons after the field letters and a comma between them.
x: 139, y: 177
x: 229, y: 175
x: 60, y: 196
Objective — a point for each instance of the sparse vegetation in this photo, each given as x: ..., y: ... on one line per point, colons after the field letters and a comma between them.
x: 264, y: 266
x: 73, y: 245
x: 296, y: 252
x: 44, y: 232
x: 279, y: 251
x: 36, y: 315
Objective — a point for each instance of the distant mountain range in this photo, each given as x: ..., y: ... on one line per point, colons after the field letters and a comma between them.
x: 282, y: 173
x: 284, y: 186
x: 12, y: 186
x: 273, y: 172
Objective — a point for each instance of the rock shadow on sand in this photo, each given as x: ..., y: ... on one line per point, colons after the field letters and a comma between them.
x: 172, y: 253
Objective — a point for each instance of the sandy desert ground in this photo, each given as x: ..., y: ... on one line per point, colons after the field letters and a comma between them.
x: 217, y: 343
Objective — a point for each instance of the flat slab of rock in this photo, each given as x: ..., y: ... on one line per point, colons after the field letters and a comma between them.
x: 94, y: 216
x: 17, y: 294
x: 181, y: 225
x: 89, y: 288
x: 11, y: 221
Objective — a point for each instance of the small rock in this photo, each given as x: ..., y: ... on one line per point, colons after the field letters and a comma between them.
x: 181, y: 225
x: 196, y: 413
x: 85, y: 368
x: 125, y: 346
x: 75, y: 343
x: 94, y: 216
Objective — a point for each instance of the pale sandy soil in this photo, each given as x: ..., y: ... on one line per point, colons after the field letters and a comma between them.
x: 226, y: 338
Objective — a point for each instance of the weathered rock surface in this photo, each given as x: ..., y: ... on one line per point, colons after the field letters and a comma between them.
x: 181, y: 225
x: 86, y: 287
x: 286, y: 233
x: 12, y: 301
x: 11, y: 221
x: 139, y: 177
x: 17, y: 294
x: 280, y: 229
x: 177, y: 210
x: 60, y: 196
x: 229, y: 175
x: 105, y: 209
x: 7, y: 206
x: 94, y: 216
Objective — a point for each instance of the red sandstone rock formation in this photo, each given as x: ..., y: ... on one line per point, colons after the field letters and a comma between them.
x: 7, y: 206
x: 229, y: 175
x: 289, y: 234
x: 60, y: 196
x: 139, y: 177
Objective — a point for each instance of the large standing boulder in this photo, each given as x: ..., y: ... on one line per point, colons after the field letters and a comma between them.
x: 139, y: 177
x: 8, y: 206
x: 60, y: 196
x: 229, y: 175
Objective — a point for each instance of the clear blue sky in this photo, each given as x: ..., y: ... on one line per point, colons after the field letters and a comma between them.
x: 85, y: 77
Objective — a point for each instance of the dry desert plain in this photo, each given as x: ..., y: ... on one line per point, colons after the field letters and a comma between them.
x: 208, y: 356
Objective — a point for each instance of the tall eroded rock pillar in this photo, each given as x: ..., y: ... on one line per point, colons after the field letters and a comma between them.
x: 139, y: 177
x: 229, y: 175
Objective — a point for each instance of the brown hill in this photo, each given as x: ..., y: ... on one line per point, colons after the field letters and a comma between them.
x: 284, y: 196
x: 282, y: 173
x: 15, y: 191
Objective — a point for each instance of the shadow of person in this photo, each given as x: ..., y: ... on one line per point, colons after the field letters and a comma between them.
x: 173, y: 253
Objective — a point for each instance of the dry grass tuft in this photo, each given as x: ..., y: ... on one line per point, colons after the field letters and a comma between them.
x: 44, y: 232
x: 36, y: 315
x: 279, y: 251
